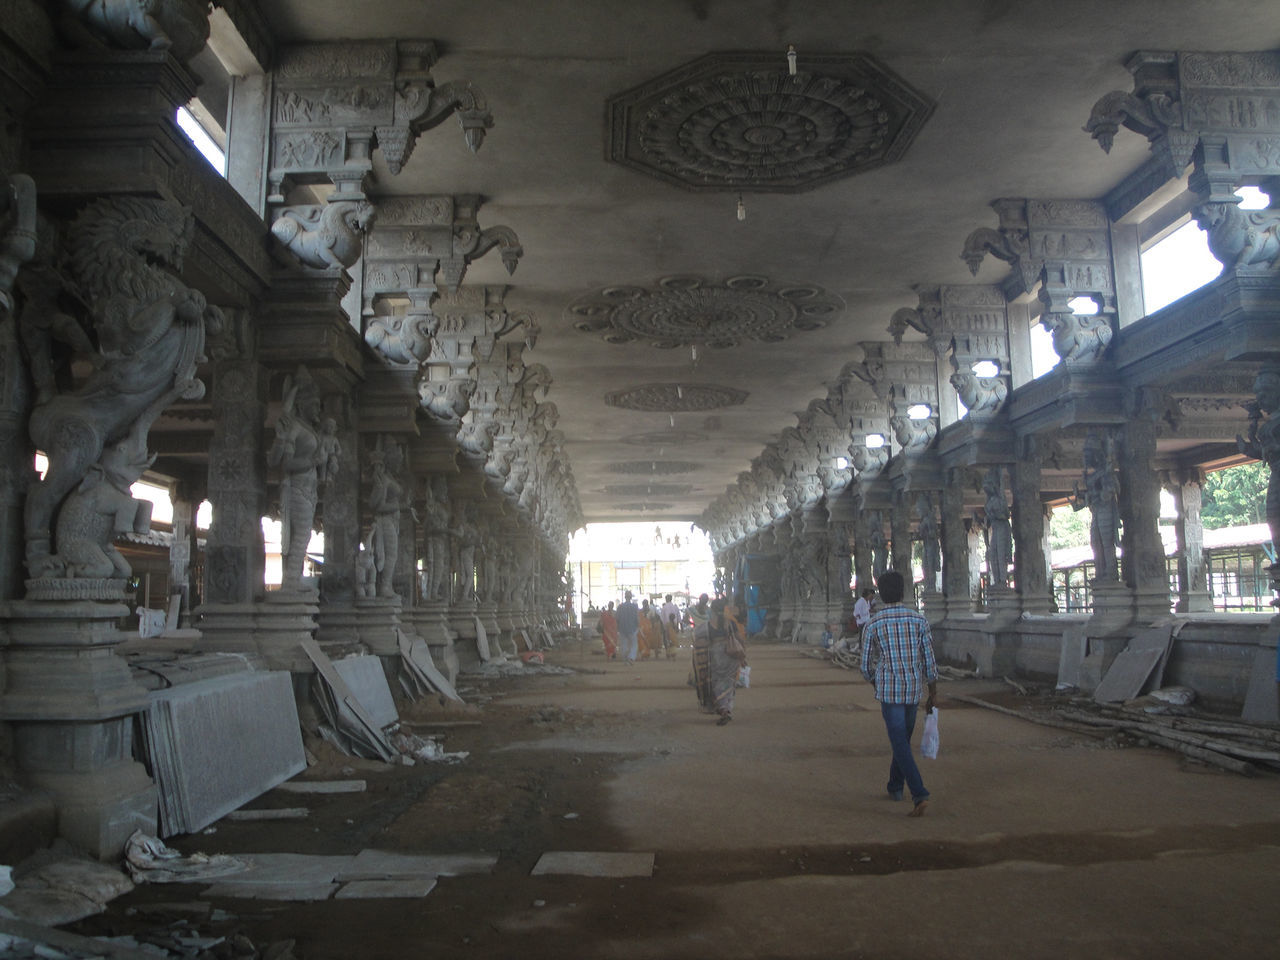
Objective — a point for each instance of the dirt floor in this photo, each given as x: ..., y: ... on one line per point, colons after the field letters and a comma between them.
x: 773, y: 836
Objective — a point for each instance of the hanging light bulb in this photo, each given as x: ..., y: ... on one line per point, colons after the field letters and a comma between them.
x: 695, y: 353
x: 742, y: 208
x: 791, y: 59
x: 679, y: 391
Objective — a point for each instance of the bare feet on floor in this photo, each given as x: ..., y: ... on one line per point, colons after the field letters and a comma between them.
x: 918, y: 809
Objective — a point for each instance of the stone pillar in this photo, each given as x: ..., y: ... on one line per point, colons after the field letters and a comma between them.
x: 900, y: 538
x: 71, y: 702
x: 1144, y: 567
x: 1187, y: 487
x: 430, y: 615
x: 185, y: 503
x: 1046, y: 550
x: 386, y: 499
x: 840, y: 571
x: 861, y: 550
x: 930, y: 554
x: 337, y: 629
x: 957, y: 587
x: 233, y: 559
x: 16, y: 460
x: 1030, y: 570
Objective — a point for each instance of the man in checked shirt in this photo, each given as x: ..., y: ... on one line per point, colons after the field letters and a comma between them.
x: 897, y: 659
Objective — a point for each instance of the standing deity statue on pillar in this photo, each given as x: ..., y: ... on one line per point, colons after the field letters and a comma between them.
x: 930, y: 545
x: 385, y: 495
x: 1101, y: 494
x: 466, y: 537
x: 999, y: 530
x: 298, y: 452
x: 435, y: 523
x: 879, y: 545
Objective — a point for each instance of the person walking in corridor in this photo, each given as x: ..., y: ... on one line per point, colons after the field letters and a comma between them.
x: 628, y: 617
x: 897, y: 659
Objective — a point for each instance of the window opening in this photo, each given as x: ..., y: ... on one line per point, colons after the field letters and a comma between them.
x: 203, y: 142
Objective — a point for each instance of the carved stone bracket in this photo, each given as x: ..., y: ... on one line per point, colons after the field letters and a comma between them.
x: 334, y: 101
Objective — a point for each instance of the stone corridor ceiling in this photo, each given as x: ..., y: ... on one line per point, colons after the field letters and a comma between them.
x: 681, y: 338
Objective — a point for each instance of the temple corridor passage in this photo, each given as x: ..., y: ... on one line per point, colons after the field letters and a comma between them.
x: 772, y: 836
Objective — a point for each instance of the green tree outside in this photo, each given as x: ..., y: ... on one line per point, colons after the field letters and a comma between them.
x: 1235, y: 497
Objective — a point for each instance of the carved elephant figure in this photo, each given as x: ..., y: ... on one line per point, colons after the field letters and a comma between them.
x: 179, y: 26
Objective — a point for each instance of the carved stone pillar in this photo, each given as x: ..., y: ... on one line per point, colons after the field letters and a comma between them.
x: 861, y: 551
x: 340, y: 510
x: 900, y: 537
x: 1144, y: 567
x: 1187, y: 487
x: 16, y: 459
x: 185, y: 503
x: 956, y: 586
x: 1030, y: 571
x: 839, y: 595
x: 233, y: 564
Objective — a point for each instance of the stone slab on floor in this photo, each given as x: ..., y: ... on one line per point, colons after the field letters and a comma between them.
x: 298, y: 868
x: 1075, y: 644
x: 218, y: 743
x: 408, y: 887
x: 367, y: 681
x: 1129, y: 672
x: 268, y: 891
x: 383, y: 864
x: 583, y: 863
x: 324, y: 786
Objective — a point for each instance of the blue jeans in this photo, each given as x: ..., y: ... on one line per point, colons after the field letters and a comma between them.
x: 900, y: 724
x: 630, y: 644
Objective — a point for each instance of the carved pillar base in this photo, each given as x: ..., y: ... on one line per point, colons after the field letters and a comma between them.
x: 1004, y: 606
x: 809, y: 623
x: 431, y: 622
x: 1112, y: 608
x: 226, y: 628
x: 487, y: 611
x: 1150, y: 605
x: 70, y: 700
x: 338, y: 629
x: 283, y: 621
x: 379, y: 618
x: 462, y: 620
x: 934, y: 606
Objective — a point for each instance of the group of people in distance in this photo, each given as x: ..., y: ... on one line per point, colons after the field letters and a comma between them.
x: 640, y: 632
x: 897, y: 660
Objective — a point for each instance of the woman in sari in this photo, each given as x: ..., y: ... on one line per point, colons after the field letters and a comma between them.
x: 650, y: 632
x: 728, y: 653
x: 609, y: 631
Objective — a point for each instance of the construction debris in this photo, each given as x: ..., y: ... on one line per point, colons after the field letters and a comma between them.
x: 150, y: 861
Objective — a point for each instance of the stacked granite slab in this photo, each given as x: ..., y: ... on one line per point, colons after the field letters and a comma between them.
x: 365, y: 676
x: 218, y: 743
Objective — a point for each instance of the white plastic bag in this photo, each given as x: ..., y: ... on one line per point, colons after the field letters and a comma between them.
x: 744, y: 676
x: 929, y: 740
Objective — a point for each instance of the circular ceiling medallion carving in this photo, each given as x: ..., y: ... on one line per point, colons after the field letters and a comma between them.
x: 667, y: 438
x: 655, y: 468
x: 688, y: 310
x: 648, y: 489
x: 676, y: 397
x: 641, y: 507
x: 739, y: 121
